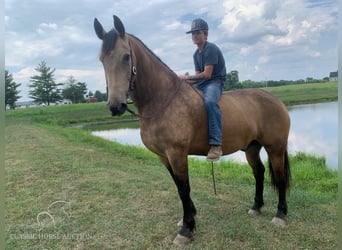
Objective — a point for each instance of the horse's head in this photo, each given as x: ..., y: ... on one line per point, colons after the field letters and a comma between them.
x: 116, y: 59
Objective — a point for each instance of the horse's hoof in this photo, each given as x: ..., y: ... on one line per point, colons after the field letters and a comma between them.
x: 254, y: 213
x: 181, y: 240
x: 279, y: 221
x: 180, y: 223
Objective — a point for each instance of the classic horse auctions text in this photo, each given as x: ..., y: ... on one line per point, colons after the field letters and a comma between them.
x: 51, y: 236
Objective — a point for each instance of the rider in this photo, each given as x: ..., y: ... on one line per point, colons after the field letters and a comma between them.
x: 209, y: 78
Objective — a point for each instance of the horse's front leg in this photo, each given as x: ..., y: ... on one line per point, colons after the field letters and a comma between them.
x: 180, y: 176
x: 188, y: 224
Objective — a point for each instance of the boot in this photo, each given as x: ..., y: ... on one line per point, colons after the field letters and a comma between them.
x: 214, y: 153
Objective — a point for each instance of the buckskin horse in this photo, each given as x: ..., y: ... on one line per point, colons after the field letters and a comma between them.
x: 173, y: 120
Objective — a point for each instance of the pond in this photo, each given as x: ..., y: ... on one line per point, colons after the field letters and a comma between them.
x: 313, y: 130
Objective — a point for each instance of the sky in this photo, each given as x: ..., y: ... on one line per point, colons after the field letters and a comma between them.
x: 261, y: 39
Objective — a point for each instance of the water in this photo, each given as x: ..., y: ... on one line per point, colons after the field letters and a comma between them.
x: 313, y: 130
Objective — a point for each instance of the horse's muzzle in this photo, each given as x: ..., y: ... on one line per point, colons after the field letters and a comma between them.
x: 117, y: 109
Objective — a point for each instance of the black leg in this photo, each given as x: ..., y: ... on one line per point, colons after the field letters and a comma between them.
x: 280, y: 180
x: 181, y: 179
x: 259, y: 187
x: 253, y: 158
x: 189, y: 210
x: 282, y: 205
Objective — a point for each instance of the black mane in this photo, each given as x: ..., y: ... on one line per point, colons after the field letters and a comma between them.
x: 110, y: 39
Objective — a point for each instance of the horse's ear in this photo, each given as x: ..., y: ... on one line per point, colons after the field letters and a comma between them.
x: 100, y: 32
x: 119, y: 26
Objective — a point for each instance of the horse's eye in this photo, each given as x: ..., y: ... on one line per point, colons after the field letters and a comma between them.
x: 125, y: 58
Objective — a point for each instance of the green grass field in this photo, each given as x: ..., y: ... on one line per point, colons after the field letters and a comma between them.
x: 67, y: 189
x: 66, y: 115
x: 306, y: 93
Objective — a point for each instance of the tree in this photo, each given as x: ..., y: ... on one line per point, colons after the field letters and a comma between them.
x: 90, y: 94
x: 43, y: 87
x: 232, y: 81
x: 11, y: 90
x: 252, y: 84
x: 74, y: 90
x: 100, y: 97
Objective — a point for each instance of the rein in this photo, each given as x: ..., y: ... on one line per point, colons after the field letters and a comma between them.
x: 213, y: 175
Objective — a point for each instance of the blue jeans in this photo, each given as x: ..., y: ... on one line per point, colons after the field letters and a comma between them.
x: 212, y: 91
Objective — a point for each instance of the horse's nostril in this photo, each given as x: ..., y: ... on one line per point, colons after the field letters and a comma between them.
x: 118, y: 109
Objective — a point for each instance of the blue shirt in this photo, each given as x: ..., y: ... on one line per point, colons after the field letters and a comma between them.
x: 210, y: 55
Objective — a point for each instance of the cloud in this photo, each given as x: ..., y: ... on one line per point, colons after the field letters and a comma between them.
x: 25, y: 49
x: 276, y: 39
x: 43, y: 27
x: 279, y: 23
x: 248, y: 20
x: 94, y: 76
x: 286, y: 33
x: 24, y: 74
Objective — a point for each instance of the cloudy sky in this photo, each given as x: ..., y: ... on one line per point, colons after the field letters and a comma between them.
x: 262, y: 39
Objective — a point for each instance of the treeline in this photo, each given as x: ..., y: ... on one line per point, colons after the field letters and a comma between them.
x: 43, y: 89
x: 232, y: 82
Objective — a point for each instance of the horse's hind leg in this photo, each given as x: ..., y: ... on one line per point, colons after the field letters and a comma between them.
x: 253, y: 158
x: 280, y: 175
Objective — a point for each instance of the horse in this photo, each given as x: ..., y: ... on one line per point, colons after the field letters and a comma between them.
x: 173, y: 120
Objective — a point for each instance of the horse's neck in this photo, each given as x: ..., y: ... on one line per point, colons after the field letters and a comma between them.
x: 154, y: 81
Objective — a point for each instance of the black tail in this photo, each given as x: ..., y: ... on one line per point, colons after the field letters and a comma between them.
x: 287, y: 173
x: 287, y: 170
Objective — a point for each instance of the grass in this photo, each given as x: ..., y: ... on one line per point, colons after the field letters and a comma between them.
x: 121, y: 197
x: 306, y: 93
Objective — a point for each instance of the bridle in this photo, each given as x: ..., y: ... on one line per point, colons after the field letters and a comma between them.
x: 133, y: 70
x: 132, y: 78
x: 131, y: 88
